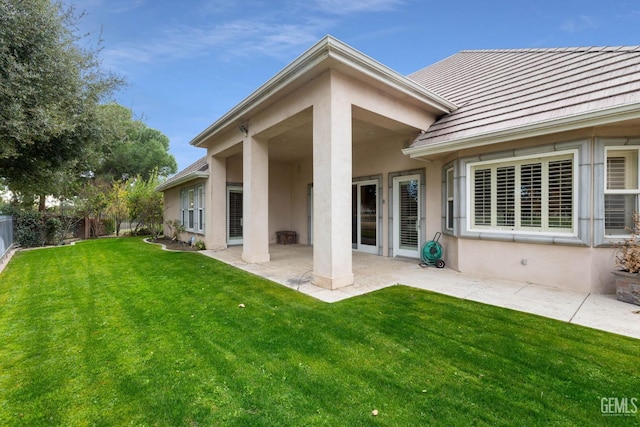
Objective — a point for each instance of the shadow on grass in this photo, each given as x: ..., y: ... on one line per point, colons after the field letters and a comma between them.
x: 115, y: 332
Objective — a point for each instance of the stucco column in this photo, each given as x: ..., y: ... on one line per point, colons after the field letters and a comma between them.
x: 332, y: 252
x: 255, y: 190
x: 216, y: 204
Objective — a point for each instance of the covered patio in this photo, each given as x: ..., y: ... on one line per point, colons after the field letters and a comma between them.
x: 292, y: 266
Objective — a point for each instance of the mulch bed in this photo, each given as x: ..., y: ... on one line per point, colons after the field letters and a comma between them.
x: 174, y: 245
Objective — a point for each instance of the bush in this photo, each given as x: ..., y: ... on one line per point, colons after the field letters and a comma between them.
x: 200, y: 245
x: 28, y: 228
x: 54, y: 231
x: 33, y: 228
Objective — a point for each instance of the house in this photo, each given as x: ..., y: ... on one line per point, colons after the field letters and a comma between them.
x: 526, y: 160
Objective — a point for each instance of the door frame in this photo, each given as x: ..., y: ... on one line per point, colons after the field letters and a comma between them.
x: 370, y: 249
x: 377, y: 179
x: 233, y: 188
x: 394, y: 212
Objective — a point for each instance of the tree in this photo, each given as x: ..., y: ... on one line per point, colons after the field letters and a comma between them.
x: 50, y: 90
x: 132, y: 148
x: 146, y: 204
x: 93, y: 202
x: 118, y: 203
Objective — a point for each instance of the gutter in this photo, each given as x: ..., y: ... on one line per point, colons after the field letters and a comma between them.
x: 188, y: 177
x: 595, y: 118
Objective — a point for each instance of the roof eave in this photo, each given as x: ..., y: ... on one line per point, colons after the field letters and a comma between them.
x: 595, y: 118
x: 188, y: 177
x: 327, y: 48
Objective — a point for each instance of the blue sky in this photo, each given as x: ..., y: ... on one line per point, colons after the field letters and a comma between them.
x: 188, y: 62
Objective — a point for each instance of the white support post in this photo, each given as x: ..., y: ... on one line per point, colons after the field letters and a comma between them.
x: 332, y: 170
x: 255, y: 170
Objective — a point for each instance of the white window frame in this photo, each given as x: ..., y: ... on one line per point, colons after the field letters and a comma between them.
x: 449, y: 193
x: 183, y: 206
x: 200, y: 196
x: 544, y: 230
x: 191, y: 204
x: 626, y: 192
x: 195, y: 210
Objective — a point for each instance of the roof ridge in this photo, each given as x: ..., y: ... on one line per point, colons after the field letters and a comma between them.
x: 556, y: 49
x: 197, y: 169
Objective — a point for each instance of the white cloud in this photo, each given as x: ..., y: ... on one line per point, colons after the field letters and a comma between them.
x: 269, y: 33
x: 578, y: 24
x: 240, y: 38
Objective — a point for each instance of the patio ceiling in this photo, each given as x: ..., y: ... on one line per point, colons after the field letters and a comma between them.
x: 292, y: 139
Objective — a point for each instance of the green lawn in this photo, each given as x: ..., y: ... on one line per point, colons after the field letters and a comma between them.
x: 117, y: 332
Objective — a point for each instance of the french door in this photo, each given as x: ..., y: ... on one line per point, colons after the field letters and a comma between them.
x: 234, y: 215
x: 406, y: 216
x: 364, y: 216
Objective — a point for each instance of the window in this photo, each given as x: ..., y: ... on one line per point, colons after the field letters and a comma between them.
x: 525, y: 195
x: 183, y: 207
x: 449, y: 204
x: 200, y: 189
x: 621, y: 190
x: 192, y: 204
x: 192, y: 208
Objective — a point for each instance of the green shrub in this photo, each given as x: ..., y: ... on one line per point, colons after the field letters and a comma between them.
x: 29, y: 230
x: 200, y: 245
x: 54, y: 231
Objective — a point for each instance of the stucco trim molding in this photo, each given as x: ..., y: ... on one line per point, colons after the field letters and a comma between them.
x: 182, y: 180
x: 324, y: 55
x: 563, y: 124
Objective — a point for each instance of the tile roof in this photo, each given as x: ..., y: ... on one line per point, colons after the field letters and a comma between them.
x: 499, y: 90
x: 198, y: 169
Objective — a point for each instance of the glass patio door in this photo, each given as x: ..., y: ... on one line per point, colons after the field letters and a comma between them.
x: 234, y: 215
x: 406, y: 216
x: 364, y: 214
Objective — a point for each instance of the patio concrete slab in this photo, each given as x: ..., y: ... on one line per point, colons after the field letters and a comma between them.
x: 603, y: 311
x: 292, y: 266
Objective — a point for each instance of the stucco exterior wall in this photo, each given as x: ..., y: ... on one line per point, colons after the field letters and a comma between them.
x: 279, y: 198
x: 574, y: 268
x: 373, y: 159
x: 234, y: 169
x: 171, y: 209
x: 580, y: 268
x: 301, y: 176
x: 585, y: 267
x: 289, y: 187
x: 289, y: 181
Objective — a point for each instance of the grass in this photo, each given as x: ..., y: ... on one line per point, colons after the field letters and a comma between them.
x: 117, y: 332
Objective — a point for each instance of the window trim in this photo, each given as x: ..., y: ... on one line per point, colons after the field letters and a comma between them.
x: 622, y: 192
x: 449, y: 199
x: 200, y: 196
x: 517, y: 161
x: 195, y: 212
x: 583, y: 173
